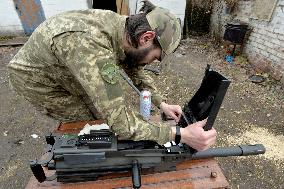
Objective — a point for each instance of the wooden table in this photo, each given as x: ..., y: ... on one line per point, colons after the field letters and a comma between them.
x: 188, y: 174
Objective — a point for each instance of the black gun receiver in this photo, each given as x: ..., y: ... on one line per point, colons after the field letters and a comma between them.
x: 89, y: 156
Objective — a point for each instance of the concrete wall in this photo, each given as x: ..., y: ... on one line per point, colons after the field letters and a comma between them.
x: 265, y: 45
x: 10, y: 24
x: 53, y: 7
x: 176, y: 7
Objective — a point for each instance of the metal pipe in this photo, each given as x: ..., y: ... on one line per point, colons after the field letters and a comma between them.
x: 125, y: 77
x: 242, y: 150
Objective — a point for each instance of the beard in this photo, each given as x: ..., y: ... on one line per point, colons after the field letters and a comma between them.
x: 135, y: 57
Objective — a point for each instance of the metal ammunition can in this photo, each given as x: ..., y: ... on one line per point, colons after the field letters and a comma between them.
x: 145, y: 104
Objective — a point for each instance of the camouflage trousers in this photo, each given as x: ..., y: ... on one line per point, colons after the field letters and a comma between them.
x: 58, y: 104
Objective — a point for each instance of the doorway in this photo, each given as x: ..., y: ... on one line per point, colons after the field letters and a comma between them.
x: 107, y: 5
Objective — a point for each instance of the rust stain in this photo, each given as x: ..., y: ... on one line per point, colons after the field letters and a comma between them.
x: 31, y: 11
x: 28, y: 11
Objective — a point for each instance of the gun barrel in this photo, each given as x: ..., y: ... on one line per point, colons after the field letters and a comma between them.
x: 242, y: 150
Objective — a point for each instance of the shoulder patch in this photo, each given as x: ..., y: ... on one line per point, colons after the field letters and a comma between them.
x: 110, y: 73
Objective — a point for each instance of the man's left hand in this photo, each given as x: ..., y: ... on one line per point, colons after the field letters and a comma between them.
x: 171, y: 111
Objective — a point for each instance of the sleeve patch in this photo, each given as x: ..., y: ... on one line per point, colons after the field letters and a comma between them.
x: 110, y: 73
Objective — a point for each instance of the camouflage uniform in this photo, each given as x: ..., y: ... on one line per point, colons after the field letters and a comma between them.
x: 69, y: 69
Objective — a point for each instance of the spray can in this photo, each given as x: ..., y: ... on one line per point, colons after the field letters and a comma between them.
x: 145, y: 104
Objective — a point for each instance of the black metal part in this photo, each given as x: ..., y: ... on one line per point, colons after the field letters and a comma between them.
x: 51, y: 166
x: 37, y: 171
x: 185, y: 118
x: 50, y: 139
x: 96, y: 139
x: 72, y: 176
x: 128, y: 80
x: 207, y: 100
x: 136, y: 174
x: 242, y: 150
x: 235, y: 32
x: 84, y: 158
x: 252, y: 149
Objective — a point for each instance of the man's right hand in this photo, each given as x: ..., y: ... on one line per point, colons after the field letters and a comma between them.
x: 194, y: 136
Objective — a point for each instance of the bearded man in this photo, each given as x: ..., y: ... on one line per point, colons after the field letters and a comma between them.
x: 69, y: 69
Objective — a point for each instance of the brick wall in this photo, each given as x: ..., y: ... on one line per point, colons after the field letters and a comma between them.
x: 265, y: 45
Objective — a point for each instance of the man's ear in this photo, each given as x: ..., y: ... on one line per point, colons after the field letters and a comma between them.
x: 147, y: 38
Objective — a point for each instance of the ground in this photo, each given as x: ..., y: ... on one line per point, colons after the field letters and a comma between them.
x: 251, y: 113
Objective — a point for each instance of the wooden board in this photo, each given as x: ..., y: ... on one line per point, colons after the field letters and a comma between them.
x: 122, y: 7
x: 14, y: 41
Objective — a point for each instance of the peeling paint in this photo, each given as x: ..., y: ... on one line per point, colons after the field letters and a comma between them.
x: 30, y: 13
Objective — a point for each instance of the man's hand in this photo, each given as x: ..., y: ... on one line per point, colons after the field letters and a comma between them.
x: 194, y: 136
x: 171, y: 111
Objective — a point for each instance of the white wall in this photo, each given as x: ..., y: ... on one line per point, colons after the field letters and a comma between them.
x: 176, y: 7
x: 10, y: 23
x: 53, y: 7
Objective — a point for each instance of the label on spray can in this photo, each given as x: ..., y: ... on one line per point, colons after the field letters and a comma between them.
x: 145, y: 104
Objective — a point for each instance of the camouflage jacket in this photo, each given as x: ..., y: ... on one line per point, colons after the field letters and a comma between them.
x: 75, y: 51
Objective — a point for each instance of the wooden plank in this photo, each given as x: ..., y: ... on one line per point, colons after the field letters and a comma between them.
x: 14, y: 41
x: 122, y: 7
x: 75, y: 127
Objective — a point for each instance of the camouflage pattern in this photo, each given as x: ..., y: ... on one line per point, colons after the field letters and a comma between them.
x: 167, y: 28
x: 68, y: 70
x: 143, y: 81
x: 110, y: 73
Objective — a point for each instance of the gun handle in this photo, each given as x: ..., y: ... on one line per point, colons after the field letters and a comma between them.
x: 208, y: 126
x: 136, y: 176
x: 37, y: 171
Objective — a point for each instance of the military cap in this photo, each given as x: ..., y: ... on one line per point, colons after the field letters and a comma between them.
x: 167, y: 28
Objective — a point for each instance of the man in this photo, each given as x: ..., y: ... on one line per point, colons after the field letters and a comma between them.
x: 69, y: 69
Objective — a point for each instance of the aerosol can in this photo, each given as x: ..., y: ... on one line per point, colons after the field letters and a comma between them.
x: 145, y: 104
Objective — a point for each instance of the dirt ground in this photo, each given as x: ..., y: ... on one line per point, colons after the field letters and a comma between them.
x: 251, y: 113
